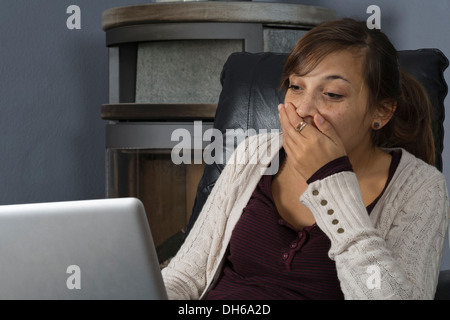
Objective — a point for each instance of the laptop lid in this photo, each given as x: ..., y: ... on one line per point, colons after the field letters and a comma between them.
x: 93, y: 249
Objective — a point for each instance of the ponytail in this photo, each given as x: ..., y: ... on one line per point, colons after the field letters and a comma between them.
x: 410, y: 126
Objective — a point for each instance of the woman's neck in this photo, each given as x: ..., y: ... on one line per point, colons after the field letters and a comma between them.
x: 367, y: 160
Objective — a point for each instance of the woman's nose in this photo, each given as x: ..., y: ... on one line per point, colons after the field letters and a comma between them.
x: 306, y: 106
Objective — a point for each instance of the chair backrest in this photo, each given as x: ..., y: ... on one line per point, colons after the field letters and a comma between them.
x: 250, y: 95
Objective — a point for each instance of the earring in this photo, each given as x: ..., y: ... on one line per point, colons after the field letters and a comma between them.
x: 376, y: 125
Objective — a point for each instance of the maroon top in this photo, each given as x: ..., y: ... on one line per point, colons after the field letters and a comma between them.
x: 270, y: 259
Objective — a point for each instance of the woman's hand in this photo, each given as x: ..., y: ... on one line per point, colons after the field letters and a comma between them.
x: 311, y: 148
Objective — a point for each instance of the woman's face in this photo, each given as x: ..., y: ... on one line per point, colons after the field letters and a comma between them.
x: 335, y: 89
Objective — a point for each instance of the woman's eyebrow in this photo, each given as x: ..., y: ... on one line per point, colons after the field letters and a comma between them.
x: 336, y: 77
x: 328, y: 78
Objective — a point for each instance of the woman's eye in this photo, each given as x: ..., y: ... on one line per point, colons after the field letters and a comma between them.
x: 294, y: 87
x: 334, y: 96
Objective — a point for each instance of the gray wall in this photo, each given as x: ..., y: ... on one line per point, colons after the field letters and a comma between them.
x: 54, y: 80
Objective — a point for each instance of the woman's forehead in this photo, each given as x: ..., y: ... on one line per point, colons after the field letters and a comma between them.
x: 342, y: 65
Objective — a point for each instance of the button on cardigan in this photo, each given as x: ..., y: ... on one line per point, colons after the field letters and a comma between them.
x: 402, y: 239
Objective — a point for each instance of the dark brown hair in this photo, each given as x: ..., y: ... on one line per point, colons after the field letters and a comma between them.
x: 410, y: 126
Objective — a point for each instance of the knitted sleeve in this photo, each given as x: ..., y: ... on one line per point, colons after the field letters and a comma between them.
x: 393, y: 255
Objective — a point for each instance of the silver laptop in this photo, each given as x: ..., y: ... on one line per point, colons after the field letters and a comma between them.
x: 94, y: 249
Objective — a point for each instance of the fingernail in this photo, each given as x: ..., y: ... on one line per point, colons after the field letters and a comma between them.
x: 285, y: 105
x: 320, y: 119
x: 279, y: 107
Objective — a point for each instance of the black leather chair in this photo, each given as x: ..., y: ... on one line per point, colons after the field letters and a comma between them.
x: 250, y: 96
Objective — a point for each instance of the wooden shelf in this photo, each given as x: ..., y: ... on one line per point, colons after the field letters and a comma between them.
x: 216, y: 11
x: 158, y: 112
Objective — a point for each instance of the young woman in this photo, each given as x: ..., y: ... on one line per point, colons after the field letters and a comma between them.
x: 356, y: 210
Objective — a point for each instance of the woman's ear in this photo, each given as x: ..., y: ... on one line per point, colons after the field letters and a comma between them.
x: 384, y: 113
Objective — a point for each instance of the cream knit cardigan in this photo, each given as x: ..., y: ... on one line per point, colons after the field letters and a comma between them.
x: 394, y: 253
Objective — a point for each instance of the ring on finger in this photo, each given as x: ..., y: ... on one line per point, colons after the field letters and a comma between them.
x: 300, y: 126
